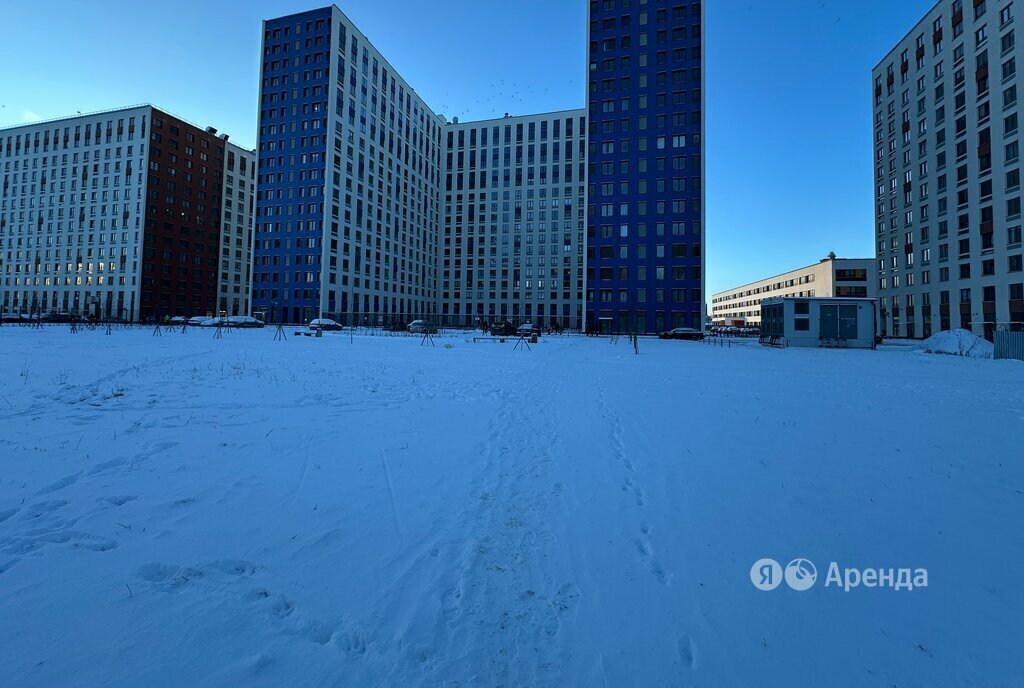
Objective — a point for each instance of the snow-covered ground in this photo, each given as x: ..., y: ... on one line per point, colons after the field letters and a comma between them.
x: 186, y: 511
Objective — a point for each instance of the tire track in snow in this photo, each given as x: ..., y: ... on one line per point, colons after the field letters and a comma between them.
x: 391, y: 495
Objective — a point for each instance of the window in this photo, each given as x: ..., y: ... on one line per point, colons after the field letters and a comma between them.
x: 1012, y: 151
x: 1010, y: 124
x: 1009, y: 68
x: 1010, y: 97
x: 1006, y: 43
x: 1013, y: 208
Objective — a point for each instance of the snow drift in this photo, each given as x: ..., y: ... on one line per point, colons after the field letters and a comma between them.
x: 957, y: 343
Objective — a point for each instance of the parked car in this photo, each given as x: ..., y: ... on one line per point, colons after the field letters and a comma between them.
x: 527, y: 330
x: 179, y: 320
x: 60, y: 318
x: 684, y: 333
x: 198, y: 320
x: 243, y: 321
x: 324, y: 324
x: 422, y: 327
x: 214, y: 322
x: 502, y: 329
x: 21, y: 317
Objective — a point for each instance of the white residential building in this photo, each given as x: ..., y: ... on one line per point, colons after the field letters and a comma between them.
x: 515, y: 214
x: 236, y: 230
x: 947, y: 173
x: 72, y: 207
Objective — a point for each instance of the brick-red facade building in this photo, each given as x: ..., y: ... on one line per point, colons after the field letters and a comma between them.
x: 182, y: 221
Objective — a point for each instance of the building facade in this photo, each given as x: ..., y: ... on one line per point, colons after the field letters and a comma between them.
x: 111, y: 215
x: 830, y: 277
x: 947, y: 173
x: 236, y: 230
x: 348, y: 210
x: 515, y: 204
x: 645, y: 228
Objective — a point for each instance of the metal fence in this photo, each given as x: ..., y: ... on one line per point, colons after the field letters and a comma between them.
x: 1009, y: 345
x: 399, y: 321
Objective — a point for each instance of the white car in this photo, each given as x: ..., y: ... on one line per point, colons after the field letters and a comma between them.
x: 243, y: 321
x: 198, y: 320
x: 422, y: 327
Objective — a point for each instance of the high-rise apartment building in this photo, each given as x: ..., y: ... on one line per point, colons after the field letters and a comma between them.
x: 371, y: 208
x: 645, y: 253
x: 515, y: 204
x: 947, y: 173
x: 115, y: 214
x: 236, y: 228
x: 348, y: 211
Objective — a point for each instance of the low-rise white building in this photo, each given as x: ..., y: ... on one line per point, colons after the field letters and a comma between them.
x: 829, y: 277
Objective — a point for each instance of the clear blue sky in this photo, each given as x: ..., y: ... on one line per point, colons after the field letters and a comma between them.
x: 788, y: 88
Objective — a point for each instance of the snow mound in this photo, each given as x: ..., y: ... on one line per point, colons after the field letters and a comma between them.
x: 957, y: 343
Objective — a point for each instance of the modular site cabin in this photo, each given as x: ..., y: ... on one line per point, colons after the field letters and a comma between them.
x: 819, y: 322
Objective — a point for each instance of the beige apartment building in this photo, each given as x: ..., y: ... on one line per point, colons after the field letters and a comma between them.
x: 831, y: 276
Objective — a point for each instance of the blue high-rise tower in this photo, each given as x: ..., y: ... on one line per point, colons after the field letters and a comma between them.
x: 645, y: 228
x: 349, y: 199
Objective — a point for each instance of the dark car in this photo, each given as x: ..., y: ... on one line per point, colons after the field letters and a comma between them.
x: 527, y: 330
x: 502, y: 329
x: 684, y: 333
x: 325, y: 324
